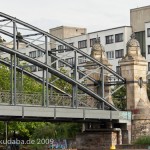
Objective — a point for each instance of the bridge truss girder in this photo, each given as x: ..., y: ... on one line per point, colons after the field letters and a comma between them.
x: 16, y: 26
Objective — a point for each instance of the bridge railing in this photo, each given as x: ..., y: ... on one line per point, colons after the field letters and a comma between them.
x: 36, y: 98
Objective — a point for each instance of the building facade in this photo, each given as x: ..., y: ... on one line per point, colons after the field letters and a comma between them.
x: 114, y: 41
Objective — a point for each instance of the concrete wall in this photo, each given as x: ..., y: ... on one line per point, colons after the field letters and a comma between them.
x: 63, y: 32
x: 138, y: 17
x: 66, y: 32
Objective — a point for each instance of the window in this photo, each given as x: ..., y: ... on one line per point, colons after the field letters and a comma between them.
x: 148, y: 49
x: 81, y: 59
x: 70, y: 61
x: 92, y: 41
x: 148, y: 32
x: 33, y: 68
x: 40, y: 53
x: 118, y: 70
x: 82, y: 44
x: 32, y: 54
x: 72, y: 75
x: 40, y: 69
x: 109, y: 39
x: 60, y: 48
x: 6, y: 59
x: 68, y: 48
x: 119, y: 53
x: 60, y: 64
x: 53, y: 50
x: 110, y: 54
x: 119, y: 37
x: 148, y: 66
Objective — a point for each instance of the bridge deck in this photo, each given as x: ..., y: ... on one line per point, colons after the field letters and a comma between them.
x: 63, y: 113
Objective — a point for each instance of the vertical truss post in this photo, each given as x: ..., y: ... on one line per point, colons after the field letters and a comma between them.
x: 103, y: 92
x: 14, y: 47
x: 102, y: 85
x: 43, y: 95
x: 51, y: 94
x: 46, y: 57
x: 11, y: 79
x: 75, y: 86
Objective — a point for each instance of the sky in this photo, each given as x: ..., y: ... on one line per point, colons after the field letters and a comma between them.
x: 94, y: 15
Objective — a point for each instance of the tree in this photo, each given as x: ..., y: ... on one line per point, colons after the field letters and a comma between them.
x: 4, y: 78
x: 57, y: 131
x: 34, y: 130
x: 25, y: 129
x: 63, y: 85
x: 119, y: 98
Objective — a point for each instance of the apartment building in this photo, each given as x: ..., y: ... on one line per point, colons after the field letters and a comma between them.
x: 147, y: 45
x: 114, y: 41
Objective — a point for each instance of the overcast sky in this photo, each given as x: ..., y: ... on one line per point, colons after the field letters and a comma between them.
x: 92, y: 14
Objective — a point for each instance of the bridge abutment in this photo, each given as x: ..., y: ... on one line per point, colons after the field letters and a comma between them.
x: 103, y: 135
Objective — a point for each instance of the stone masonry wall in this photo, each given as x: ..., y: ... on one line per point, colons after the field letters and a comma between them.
x: 96, y: 140
x: 140, y: 128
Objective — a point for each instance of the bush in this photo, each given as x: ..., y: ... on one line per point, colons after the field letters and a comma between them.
x: 143, y: 140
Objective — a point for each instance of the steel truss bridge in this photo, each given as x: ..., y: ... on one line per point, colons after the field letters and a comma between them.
x: 52, y: 103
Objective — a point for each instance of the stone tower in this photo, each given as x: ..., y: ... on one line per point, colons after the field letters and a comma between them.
x: 134, y: 69
x: 97, y: 52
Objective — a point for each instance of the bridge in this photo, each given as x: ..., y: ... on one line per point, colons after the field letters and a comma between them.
x: 47, y: 105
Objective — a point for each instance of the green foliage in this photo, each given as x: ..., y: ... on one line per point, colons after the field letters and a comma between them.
x: 2, y: 127
x: 26, y: 129
x: 47, y: 130
x: 30, y: 85
x: 143, y: 140
x: 56, y: 131
x: 34, y: 130
x: 63, y: 85
x: 119, y: 98
x: 36, y: 146
x: 4, y: 78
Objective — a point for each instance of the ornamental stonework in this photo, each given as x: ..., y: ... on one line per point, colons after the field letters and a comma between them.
x: 134, y: 70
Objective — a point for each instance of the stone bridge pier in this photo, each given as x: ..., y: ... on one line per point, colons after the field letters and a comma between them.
x: 102, y: 135
x: 134, y: 70
x: 109, y: 132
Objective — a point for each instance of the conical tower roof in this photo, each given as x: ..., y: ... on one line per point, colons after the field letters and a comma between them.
x: 98, y: 52
x: 133, y: 48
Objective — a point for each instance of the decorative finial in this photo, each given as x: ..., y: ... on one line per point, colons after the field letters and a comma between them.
x: 132, y: 35
x: 97, y: 39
